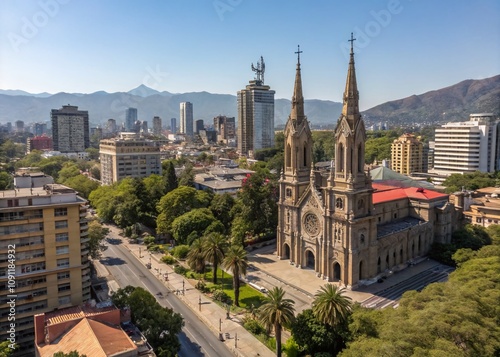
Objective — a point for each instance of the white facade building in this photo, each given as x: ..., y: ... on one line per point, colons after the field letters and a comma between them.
x: 467, y: 146
x: 186, y: 118
x: 255, y: 118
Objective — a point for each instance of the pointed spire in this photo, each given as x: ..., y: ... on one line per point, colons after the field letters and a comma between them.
x: 351, y: 95
x: 297, y: 112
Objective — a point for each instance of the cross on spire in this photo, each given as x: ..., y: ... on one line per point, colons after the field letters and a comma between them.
x: 352, y: 42
x: 298, y: 54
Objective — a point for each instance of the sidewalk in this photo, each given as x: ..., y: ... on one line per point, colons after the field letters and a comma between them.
x: 211, y: 314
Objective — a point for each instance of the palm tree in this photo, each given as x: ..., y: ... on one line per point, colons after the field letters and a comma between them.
x: 236, y: 260
x: 277, y: 312
x: 195, y: 256
x: 330, y: 306
x: 214, y: 247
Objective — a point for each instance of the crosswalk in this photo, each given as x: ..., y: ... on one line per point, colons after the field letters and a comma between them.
x: 390, y: 297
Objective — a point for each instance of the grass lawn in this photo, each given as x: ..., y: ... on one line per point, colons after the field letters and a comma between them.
x: 248, y: 296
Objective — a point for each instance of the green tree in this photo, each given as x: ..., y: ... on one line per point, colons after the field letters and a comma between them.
x: 5, y: 350
x: 177, y: 202
x: 331, y: 306
x: 93, y: 153
x: 169, y: 177
x: 97, y: 234
x: 214, y: 248
x: 155, y: 189
x: 459, y: 317
x: 236, y: 261
x: 277, y: 312
x: 221, y: 206
x: 313, y: 336
x: 186, y: 177
x: 195, y: 256
x: 82, y: 184
x: 6, y: 180
x: 160, y: 325
x: 196, y: 220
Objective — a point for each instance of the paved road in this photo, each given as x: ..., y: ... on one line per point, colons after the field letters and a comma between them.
x: 390, y: 296
x: 196, y: 339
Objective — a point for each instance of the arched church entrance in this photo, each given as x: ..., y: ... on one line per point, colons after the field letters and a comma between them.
x: 310, y: 260
x: 287, y: 251
x: 336, y: 271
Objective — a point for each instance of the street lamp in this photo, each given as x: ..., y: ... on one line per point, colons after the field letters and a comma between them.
x: 183, y: 290
x: 235, y: 340
x: 220, y: 325
x: 199, y: 303
x: 228, y: 309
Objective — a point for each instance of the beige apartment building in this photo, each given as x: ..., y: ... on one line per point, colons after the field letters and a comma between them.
x: 128, y: 156
x: 43, y: 254
x: 407, y: 154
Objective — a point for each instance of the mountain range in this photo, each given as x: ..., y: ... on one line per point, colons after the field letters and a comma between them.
x: 456, y: 101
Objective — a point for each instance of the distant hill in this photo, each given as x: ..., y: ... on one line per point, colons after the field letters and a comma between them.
x: 456, y: 101
x: 149, y: 103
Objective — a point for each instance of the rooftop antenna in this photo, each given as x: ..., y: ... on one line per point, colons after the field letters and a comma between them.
x: 259, y: 70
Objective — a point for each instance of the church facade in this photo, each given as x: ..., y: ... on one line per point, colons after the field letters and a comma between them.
x: 337, y: 221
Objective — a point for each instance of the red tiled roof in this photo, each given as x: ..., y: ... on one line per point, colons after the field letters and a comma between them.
x: 386, y: 193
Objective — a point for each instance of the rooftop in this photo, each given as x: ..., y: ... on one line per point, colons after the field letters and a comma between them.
x: 401, y: 225
x: 386, y: 193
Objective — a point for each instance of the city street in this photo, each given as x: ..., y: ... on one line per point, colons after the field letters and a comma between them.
x: 196, y: 339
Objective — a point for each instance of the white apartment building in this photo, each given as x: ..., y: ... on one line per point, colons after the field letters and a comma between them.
x: 128, y: 156
x: 186, y: 118
x: 467, y: 146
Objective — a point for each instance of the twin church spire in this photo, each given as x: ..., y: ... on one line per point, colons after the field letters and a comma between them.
x: 350, y: 108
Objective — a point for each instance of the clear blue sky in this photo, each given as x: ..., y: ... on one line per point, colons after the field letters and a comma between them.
x: 404, y: 47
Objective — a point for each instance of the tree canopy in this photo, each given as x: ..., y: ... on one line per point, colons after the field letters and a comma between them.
x: 160, y: 325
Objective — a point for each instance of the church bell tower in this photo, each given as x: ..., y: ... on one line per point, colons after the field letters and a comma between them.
x: 297, y: 161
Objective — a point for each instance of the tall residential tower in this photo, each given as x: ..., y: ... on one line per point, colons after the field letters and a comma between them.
x: 255, y: 114
x: 186, y: 118
x: 70, y: 129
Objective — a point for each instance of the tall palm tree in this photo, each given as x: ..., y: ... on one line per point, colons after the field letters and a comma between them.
x: 330, y: 306
x: 214, y: 247
x: 276, y: 311
x: 195, y: 256
x: 236, y: 260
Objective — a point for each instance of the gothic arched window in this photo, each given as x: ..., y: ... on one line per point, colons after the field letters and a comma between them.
x: 339, y: 203
x: 360, y: 159
x: 340, y: 159
x: 288, y: 156
x: 305, y: 154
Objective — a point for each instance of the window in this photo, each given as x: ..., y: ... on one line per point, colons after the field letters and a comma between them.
x: 62, y: 250
x: 63, y: 275
x: 61, y: 237
x: 63, y: 262
x: 339, y: 203
x: 478, y: 220
x: 64, y: 287
x: 61, y: 224
x: 288, y: 192
x: 60, y: 212
x: 63, y: 300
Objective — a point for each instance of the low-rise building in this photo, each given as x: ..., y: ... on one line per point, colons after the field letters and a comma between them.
x: 92, y: 331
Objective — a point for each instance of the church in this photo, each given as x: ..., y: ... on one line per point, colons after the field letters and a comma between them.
x: 338, y: 222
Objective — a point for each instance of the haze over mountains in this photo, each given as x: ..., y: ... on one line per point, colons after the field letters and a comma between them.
x: 457, y: 101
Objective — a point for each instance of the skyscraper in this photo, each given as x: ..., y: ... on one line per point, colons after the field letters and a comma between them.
x: 70, y: 129
x: 186, y: 118
x: 199, y: 125
x: 157, y: 126
x: 173, y: 125
x: 130, y: 119
x: 255, y: 114
x: 225, y: 128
